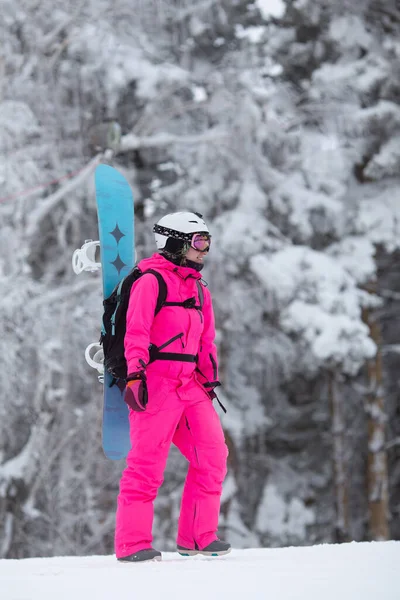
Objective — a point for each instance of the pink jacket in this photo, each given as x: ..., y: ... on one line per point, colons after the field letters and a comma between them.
x: 193, y: 329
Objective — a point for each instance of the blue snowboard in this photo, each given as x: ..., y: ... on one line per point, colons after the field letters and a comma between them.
x: 116, y: 233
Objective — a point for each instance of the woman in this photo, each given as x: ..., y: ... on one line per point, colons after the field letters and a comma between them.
x: 172, y: 366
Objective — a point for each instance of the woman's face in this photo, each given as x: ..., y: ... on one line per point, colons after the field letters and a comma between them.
x: 195, y: 255
x: 199, y: 248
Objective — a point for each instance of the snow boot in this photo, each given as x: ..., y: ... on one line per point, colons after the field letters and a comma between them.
x: 141, y: 556
x: 216, y: 548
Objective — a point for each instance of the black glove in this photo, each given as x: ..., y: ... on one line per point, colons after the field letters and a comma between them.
x: 135, y: 394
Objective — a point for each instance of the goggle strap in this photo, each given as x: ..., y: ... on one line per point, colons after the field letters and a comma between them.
x: 178, y: 235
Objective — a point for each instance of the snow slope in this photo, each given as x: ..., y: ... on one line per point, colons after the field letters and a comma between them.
x: 356, y: 571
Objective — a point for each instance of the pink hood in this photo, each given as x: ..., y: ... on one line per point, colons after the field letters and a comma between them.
x: 193, y: 329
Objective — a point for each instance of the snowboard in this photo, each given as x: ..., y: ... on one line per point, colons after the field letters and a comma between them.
x: 115, y: 214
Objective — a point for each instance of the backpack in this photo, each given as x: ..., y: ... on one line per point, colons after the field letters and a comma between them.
x: 114, y: 322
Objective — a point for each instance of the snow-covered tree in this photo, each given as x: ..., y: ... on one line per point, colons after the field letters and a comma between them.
x: 278, y: 121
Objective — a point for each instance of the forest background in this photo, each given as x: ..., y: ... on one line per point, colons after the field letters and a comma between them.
x: 280, y: 123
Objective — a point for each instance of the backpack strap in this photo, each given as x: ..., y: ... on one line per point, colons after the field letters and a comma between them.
x: 190, y: 302
x: 162, y: 294
x: 201, y: 293
x: 162, y: 289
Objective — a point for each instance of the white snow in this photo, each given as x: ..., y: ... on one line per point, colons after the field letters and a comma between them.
x: 306, y: 207
x: 19, y: 129
x: 356, y: 255
x: 254, y: 34
x: 271, y: 8
x: 278, y: 517
x: 379, y: 218
x: 350, y: 31
x: 244, y: 225
x: 103, y: 49
x: 199, y: 93
x: 347, y: 80
x: 319, y: 303
x: 386, y: 162
x: 275, y: 70
x: 18, y: 124
x: 219, y: 41
x: 365, y: 571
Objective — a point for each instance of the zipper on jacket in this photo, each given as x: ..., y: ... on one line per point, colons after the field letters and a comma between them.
x: 190, y: 276
x: 214, y: 364
x: 176, y: 337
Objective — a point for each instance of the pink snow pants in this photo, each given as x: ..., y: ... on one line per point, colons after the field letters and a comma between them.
x: 181, y: 413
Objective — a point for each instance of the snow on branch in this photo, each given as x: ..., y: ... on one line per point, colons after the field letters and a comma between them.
x: 183, y: 13
x: 21, y: 467
x: 391, y: 348
x: 52, y: 37
x: 393, y: 443
x: 38, y: 214
x: 379, y: 218
x: 56, y: 296
x: 132, y: 142
x: 319, y: 305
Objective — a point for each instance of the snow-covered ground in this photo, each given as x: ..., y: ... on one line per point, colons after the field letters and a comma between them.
x: 356, y: 571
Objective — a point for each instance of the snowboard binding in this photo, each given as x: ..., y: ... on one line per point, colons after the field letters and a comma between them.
x: 94, y: 356
x: 84, y: 258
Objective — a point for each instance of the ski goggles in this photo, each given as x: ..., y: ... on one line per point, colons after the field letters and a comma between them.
x: 201, y: 242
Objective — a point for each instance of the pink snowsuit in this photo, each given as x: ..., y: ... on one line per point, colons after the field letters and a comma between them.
x: 179, y: 411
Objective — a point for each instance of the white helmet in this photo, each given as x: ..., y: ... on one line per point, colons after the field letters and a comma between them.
x: 180, y: 226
